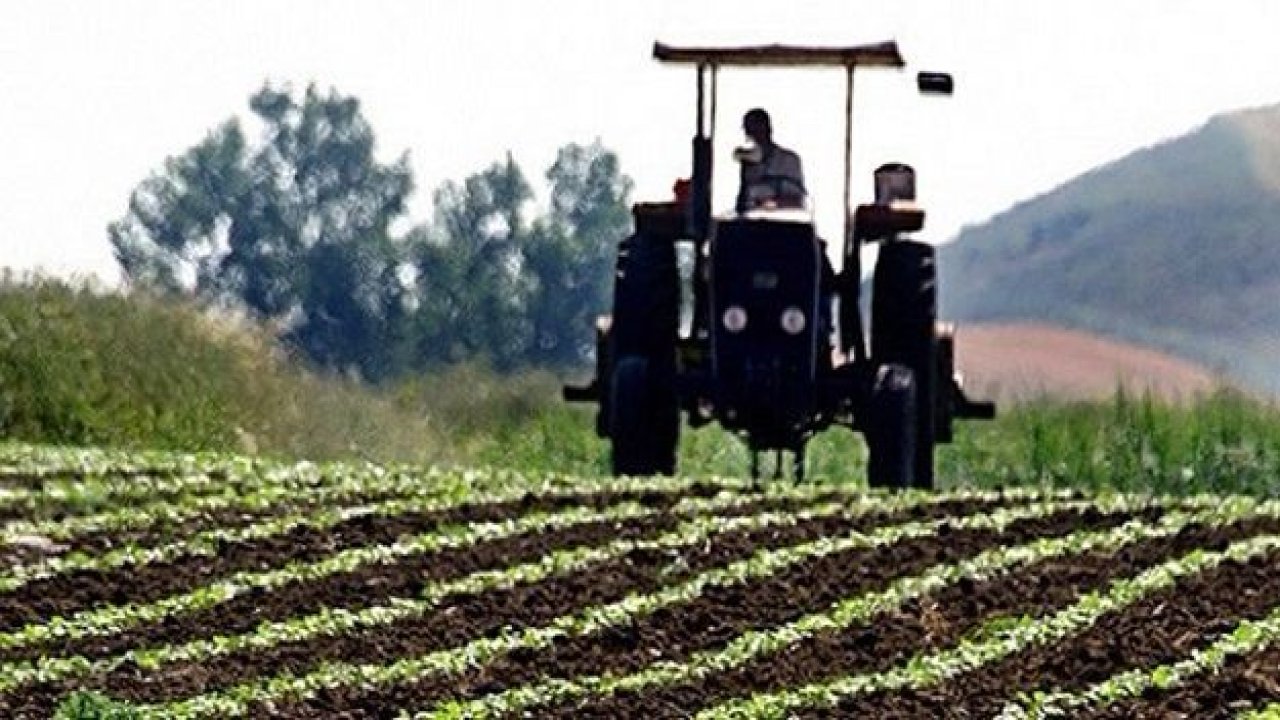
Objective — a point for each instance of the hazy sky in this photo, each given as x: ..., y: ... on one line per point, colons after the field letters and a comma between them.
x: 97, y: 94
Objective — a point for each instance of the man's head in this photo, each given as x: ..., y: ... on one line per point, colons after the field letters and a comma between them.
x: 757, y: 126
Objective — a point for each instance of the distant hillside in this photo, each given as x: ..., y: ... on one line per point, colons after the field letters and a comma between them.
x: 1176, y: 246
x: 1027, y: 361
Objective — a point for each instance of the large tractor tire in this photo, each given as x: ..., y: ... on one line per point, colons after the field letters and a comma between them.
x: 646, y: 298
x: 904, y: 312
x: 643, y: 405
x: 644, y: 422
x: 892, y: 428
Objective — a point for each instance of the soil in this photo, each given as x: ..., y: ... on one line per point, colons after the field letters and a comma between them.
x: 1164, y: 627
x: 453, y: 623
x: 366, y: 585
x: 1243, y: 683
x: 165, y: 529
x: 720, y: 614
x: 931, y: 623
x: 71, y: 592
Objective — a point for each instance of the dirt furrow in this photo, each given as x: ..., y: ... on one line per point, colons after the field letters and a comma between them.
x: 72, y: 592
x: 165, y: 529
x: 1161, y: 628
x: 467, y: 618
x: 675, y: 633
x: 1244, y: 682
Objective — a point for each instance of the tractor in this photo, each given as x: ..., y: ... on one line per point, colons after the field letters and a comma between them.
x: 757, y: 332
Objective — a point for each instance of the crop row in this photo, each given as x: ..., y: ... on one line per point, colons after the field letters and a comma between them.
x: 259, y: 498
x: 755, y: 644
x: 299, y: 628
x: 243, y: 481
x: 80, y: 641
x: 335, y: 621
x: 324, y: 485
x: 114, y: 619
x: 1249, y: 636
x: 212, y: 541
x: 1270, y: 712
x: 305, y: 484
x: 193, y: 486
x: 998, y: 640
x: 41, y: 461
x: 762, y: 565
x: 238, y: 700
x: 980, y: 648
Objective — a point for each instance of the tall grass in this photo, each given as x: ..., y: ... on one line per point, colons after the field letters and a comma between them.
x: 99, y: 368
x: 1225, y: 441
x: 85, y: 367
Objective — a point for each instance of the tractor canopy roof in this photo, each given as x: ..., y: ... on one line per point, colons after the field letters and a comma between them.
x: 709, y: 60
x: 883, y: 54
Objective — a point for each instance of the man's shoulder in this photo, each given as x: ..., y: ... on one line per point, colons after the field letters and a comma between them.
x: 785, y: 161
x: 784, y: 152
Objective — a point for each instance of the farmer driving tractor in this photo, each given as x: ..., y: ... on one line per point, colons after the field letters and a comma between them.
x: 772, y: 177
x: 771, y: 174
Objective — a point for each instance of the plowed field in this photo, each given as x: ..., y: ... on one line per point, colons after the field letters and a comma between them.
x: 170, y: 586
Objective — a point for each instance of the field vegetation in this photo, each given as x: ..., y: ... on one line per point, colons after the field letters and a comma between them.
x: 167, y: 552
x: 93, y: 368
x: 167, y: 585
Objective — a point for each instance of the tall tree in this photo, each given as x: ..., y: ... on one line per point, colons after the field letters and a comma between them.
x: 569, y: 255
x: 492, y: 284
x: 296, y: 230
x: 472, y: 290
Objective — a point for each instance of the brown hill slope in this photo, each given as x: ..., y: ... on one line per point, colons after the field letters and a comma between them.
x: 1017, y: 361
x: 1175, y: 246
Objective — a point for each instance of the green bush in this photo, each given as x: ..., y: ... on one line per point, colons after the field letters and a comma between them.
x: 83, y: 366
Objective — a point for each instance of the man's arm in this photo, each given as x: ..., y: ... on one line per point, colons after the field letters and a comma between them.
x: 793, y: 168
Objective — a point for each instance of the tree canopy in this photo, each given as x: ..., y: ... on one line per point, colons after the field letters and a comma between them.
x: 296, y: 229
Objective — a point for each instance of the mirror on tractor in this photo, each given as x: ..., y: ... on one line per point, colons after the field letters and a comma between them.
x: 935, y: 83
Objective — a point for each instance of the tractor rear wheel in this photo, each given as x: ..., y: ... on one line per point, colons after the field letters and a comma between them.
x: 891, y: 431
x: 646, y: 298
x: 644, y: 422
x: 643, y: 406
x: 904, y: 312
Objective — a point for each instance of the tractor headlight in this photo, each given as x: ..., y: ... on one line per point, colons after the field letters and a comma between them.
x: 793, y: 321
x: 735, y: 319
